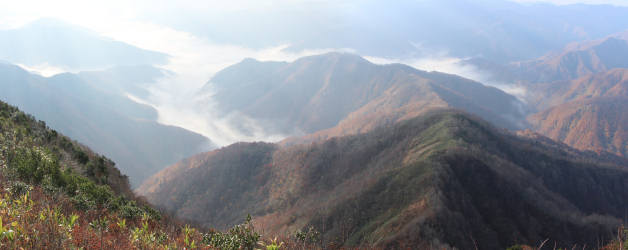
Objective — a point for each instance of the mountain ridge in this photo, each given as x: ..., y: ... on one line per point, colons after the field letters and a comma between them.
x: 320, y: 92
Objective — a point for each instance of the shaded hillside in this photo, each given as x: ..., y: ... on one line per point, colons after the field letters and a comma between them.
x: 104, y: 120
x: 319, y: 92
x: 598, y: 124
x: 443, y: 178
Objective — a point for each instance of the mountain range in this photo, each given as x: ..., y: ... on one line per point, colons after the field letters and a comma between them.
x: 579, y: 93
x: 346, y: 94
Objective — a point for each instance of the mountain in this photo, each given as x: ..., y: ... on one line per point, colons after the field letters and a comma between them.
x: 320, y: 92
x: 103, y: 120
x: 55, y: 43
x: 441, y: 179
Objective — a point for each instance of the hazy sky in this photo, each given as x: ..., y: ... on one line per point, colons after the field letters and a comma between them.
x: 614, y: 2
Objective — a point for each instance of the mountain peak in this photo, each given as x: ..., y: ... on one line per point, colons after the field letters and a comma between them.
x: 336, y: 56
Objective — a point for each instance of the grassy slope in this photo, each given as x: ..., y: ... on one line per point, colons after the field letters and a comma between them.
x: 57, y: 194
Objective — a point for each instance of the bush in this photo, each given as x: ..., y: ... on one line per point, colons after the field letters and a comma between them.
x: 19, y: 188
x: 80, y: 156
x: 241, y: 236
x: 82, y: 202
x: 130, y: 210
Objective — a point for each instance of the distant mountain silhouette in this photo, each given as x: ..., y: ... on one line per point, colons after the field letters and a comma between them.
x: 53, y: 42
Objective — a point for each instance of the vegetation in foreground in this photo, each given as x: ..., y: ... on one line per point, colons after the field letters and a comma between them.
x: 57, y: 194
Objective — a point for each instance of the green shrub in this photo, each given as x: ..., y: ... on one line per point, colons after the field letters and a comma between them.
x: 130, y: 210
x: 80, y: 156
x: 241, y: 236
x: 19, y: 188
x: 82, y: 202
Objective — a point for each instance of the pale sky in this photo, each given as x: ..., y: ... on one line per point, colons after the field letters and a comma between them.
x: 562, y: 2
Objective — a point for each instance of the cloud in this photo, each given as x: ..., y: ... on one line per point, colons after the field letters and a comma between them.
x: 44, y: 69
